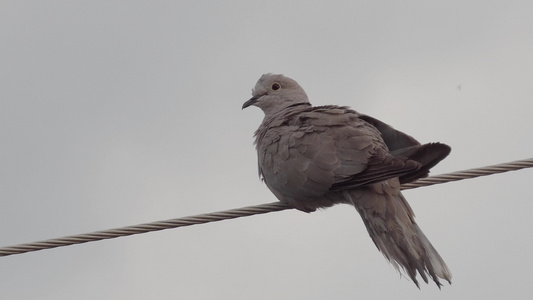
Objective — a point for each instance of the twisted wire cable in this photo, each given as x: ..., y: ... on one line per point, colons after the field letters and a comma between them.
x: 241, y: 212
x: 470, y: 173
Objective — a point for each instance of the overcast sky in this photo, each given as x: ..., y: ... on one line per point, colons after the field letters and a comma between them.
x: 115, y: 113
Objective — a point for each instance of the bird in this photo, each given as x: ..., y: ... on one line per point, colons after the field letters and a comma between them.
x: 314, y: 157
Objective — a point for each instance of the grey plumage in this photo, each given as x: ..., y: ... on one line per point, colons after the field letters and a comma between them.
x: 315, y: 157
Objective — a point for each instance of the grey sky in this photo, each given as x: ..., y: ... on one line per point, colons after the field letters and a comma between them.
x: 115, y: 113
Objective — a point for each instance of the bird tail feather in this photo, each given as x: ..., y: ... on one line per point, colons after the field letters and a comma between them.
x: 390, y: 223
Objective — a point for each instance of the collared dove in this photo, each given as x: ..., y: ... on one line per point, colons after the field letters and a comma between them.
x: 314, y: 157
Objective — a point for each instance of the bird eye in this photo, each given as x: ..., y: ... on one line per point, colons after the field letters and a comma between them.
x: 276, y: 86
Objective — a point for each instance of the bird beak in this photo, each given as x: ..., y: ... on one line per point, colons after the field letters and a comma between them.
x: 252, y: 101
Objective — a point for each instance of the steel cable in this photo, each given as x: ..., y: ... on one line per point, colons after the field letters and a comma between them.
x: 241, y: 212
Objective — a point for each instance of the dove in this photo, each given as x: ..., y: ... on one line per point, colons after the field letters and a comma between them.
x: 313, y: 157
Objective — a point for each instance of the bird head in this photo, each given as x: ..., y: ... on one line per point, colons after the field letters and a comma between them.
x: 273, y: 92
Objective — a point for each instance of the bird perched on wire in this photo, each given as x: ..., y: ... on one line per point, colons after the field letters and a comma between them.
x: 316, y: 156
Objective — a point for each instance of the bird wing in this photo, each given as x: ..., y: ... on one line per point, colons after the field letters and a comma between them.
x: 326, y: 148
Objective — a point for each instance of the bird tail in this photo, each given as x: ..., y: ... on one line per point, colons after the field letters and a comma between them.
x: 390, y: 223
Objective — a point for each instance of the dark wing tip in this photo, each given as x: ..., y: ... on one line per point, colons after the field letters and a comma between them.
x: 428, y: 155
